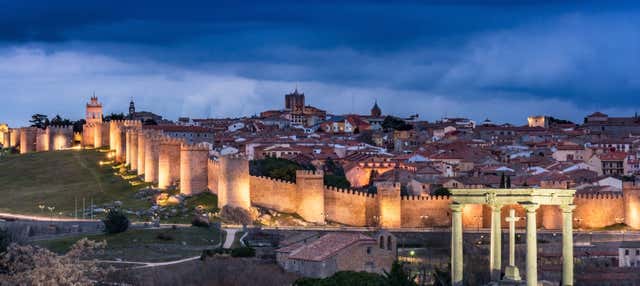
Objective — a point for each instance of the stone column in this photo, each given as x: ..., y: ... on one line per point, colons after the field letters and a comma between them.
x: 456, y: 244
x: 495, y: 258
x: 511, y: 271
x: 532, y: 244
x: 567, y: 244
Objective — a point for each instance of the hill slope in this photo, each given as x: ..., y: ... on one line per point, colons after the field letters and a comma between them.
x: 58, y: 179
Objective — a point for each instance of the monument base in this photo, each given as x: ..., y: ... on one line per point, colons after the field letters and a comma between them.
x: 511, y: 273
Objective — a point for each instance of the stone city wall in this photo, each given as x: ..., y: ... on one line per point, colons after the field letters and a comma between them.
x: 598, y: 210
x: 193, y: 168
x: 169, y: 162
x: 273, y: 194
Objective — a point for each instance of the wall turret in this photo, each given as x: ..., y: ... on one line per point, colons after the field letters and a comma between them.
x: 169, y: 161
x: 151, y: 157
x: 193, y: 168
x: 132, y: 148
x: 631, y: 191
x: 234, y: 182
x: 389, y: 204
x: 142, y: 144
x: 310, y: 193
x: 28, y: 139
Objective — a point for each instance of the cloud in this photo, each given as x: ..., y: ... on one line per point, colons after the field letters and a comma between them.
x: 443, y: 58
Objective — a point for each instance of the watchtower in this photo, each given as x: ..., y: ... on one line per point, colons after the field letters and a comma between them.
x: 310, y: 195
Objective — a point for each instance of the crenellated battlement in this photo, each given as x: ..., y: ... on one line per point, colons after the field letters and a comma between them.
x: 127, y: 122
x: 279, y: 181
x: 424, y: 198
x: 600, y: 196
x: 350, y: 192
x: 194, y: 147
x: 60, y: 127
x: 309, y: 173
x: 236, y: 156
x: 168, y: 140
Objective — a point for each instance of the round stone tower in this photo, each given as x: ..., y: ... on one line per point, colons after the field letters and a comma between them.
x: 631, y: 192
x: 28, y: 139
x: 133, y: 149
x: 116, y: 139
x: 310, y: 190
x: 233, y: 182
x: 151, y: 157
x: 142, y: 143
x: 389, y: 202
x: 193, y: 168
x: 169, y: 162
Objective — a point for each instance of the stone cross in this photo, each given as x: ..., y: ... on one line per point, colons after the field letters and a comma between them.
x: 511, y: 272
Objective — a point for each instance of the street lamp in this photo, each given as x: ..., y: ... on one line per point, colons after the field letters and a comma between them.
x: 41, y: 207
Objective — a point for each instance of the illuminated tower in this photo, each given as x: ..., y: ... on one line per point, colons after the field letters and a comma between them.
x: 94, y: 111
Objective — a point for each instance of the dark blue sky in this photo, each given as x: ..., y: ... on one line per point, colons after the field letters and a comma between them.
x: 498, y: 59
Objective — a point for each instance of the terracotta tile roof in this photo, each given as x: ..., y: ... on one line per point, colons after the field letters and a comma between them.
x: 613, y: 156
x: 328, y: 245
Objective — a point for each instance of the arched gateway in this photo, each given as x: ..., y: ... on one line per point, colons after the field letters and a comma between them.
x: 530, y: 200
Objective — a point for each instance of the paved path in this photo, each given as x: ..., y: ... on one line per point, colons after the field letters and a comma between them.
x: 231, y: 235
x: 142, y: 265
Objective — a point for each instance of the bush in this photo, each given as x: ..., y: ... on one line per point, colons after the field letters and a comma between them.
x: 5, y: 240
x: 200, y: 221
x: 344, y: 278
x: 115, y: 222
x: 164, y: 236
x: 243, y: 252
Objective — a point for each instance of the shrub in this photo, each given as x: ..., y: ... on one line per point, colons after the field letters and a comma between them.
x: 344, y: 278
x: 5, y: 240
x: 243, y: 252
x: 200, y: 221
x: 164, y: 236
x: 115, y: 222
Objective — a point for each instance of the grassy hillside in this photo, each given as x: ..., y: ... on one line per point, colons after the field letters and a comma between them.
x: 146, y: 244
x: 57, y: 179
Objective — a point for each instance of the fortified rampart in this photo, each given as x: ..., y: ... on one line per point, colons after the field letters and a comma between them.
x: 167, y: 161
x: 273, y: 194
x: 598, y: 210
x: 193, y: 168
x: 142, y: 142
x: 28, y: 137
x: 234, y: 182
x: 151, y: 156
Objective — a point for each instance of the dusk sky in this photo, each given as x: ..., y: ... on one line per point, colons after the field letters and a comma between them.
x: 478, y: 59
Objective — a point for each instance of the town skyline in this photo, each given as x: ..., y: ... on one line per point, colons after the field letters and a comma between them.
x: 213, y: 60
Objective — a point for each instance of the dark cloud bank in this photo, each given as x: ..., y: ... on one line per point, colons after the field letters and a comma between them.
x: 480, y: 59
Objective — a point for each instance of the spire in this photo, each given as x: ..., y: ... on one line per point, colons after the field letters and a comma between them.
x: 375, y: 110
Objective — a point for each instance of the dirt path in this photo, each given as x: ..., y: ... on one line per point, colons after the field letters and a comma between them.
x: 231, y: 235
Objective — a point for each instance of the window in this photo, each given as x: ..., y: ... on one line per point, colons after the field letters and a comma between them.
x: 369, y: 250
x: 626, y: 252
x: 382, y: 242
x: 389, y: 242
x: 637, y: 251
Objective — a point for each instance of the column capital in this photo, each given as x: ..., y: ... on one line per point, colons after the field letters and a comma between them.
x: 496, y: 207
x: 567, y: 208
x: 456, y: 207
x: 530, y: 207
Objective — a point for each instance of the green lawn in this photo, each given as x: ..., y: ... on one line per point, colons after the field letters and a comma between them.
x: 143, y: 245
x: 58, y: 179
